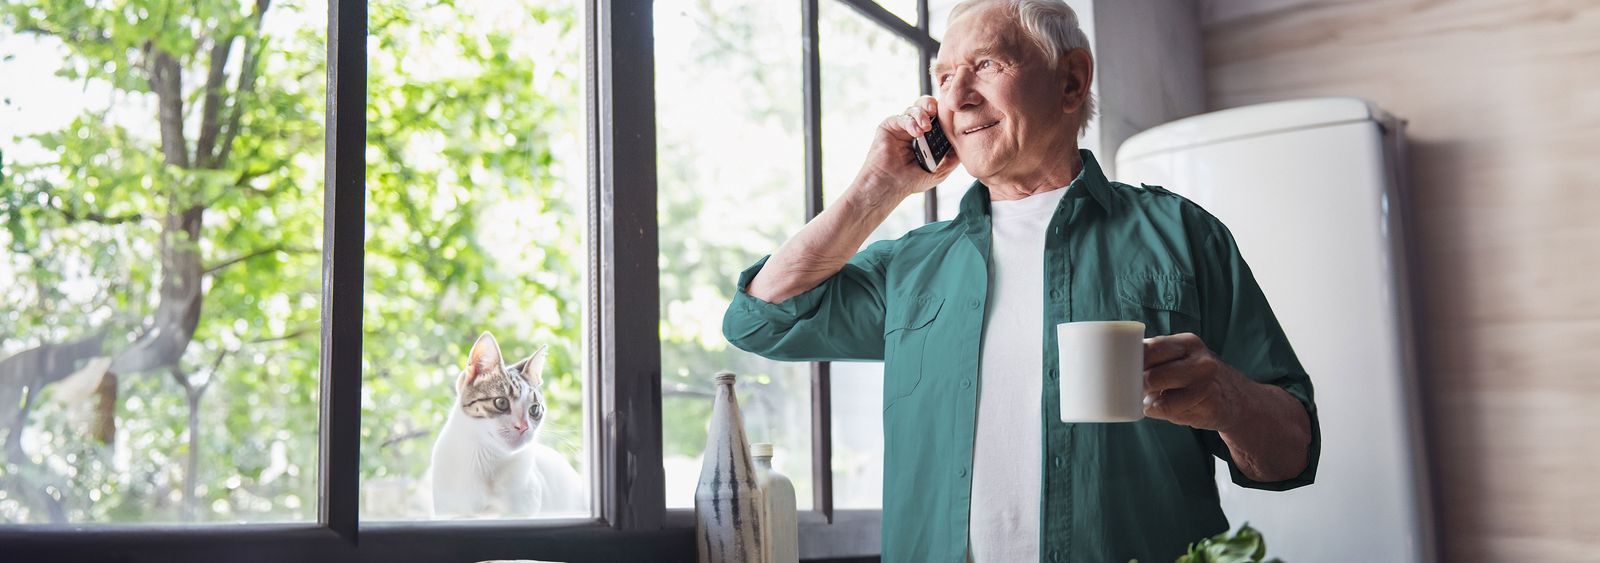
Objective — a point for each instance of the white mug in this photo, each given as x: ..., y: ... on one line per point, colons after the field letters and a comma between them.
x: 1101, y: 371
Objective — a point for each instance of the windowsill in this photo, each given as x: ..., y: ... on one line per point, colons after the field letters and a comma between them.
x: 853, y: 533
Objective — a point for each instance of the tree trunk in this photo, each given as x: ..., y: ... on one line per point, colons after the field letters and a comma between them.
x: 31, y: 370
x: 166, y: 80
x: 191, y: 462
x: 178, y: 312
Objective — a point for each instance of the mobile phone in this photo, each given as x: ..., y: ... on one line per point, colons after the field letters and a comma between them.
x: 931, y: 147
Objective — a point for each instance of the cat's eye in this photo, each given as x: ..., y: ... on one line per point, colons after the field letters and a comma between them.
x: 501, y: 404
x: 536, y: 411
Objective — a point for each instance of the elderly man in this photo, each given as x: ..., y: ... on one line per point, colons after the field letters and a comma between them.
x: 978, y: 465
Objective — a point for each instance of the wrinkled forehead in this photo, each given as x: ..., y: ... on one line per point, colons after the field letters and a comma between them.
x: 985, y: 31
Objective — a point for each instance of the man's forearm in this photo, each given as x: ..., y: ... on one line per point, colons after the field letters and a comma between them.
x: 1271, y: 442
x: 824, y: 245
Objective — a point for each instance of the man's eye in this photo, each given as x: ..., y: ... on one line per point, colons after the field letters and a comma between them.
x: 985, y: 64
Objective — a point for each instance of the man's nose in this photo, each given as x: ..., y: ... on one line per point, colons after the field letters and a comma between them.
x: 959, y: 92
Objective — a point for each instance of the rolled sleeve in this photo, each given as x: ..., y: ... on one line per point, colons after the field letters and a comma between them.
x: 1242, y: 330
x: 840, y: 319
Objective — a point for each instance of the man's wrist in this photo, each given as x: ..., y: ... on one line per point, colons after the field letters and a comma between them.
x: 872, y: 193
x: 1253, y: 402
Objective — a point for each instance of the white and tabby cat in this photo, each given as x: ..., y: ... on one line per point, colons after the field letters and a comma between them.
x: 487, y: 460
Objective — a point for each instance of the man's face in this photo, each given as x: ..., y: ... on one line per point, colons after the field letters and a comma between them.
x: 1005, y: 108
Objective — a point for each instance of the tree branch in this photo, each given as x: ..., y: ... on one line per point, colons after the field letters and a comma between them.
x: 211, y: 376
x: 80, y: 36
x: 183, y: 379
x: 31, y: 370
x: 412, y: 435
x: 257, y: 253
x: 247, y: 79
x: 177, y: 312
x: 93, y: 217
x: 213, y: 104
x: 291, y: 335
x: 166, y: 80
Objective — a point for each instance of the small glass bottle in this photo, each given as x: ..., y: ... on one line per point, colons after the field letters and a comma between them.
x: 783, y: 526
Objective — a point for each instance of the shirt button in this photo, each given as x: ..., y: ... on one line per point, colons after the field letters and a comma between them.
x: 1052, y: 373
x: 966, y: 383
x: 961, y: 472
x: 1055, y: 555
x: 1055, y: 294
x: 973, y: 304
x: 1060, y: 462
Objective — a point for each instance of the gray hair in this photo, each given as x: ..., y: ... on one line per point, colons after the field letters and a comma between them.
x: 1050, y: 24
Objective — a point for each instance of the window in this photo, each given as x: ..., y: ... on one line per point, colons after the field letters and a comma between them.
x: 725, y: 200
x: 163, y: 206
x: 476, y: 204
x: 262, y: 322
x: 868, y: 73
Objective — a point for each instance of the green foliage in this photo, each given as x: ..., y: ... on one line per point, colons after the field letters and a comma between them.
x: 1243, y: 546
x: 475, y: 218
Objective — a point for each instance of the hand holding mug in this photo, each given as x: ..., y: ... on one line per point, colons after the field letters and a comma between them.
x: 1184, y: 383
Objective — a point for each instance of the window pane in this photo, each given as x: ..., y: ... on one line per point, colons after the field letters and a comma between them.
x: 159, y: 350
x: 939, y: 17
x: 906, y: 9
x: 476, y: 216
x: 950, y: 192
x: 868, y: 73
x: 732, y: 189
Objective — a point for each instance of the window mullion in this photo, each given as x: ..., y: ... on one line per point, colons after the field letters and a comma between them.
x: 622, y: 71
x: 925, y: 51
x: 870, y: 8
x: 344, y: 202
x: 821, y: 386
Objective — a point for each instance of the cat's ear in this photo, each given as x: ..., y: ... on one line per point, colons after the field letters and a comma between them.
x: 484, y: 358
x: 532, y: 367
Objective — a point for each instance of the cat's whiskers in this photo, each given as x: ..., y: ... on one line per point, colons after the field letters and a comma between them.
x: 563, y: 436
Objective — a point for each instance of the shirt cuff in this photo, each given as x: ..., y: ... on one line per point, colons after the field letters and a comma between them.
x: 748, y: 314
x: 1307, y: 476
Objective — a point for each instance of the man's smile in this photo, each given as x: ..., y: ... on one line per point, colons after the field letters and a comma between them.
x: 979, y: 128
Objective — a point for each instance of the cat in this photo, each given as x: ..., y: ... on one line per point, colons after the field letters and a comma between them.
x: 487, y: 460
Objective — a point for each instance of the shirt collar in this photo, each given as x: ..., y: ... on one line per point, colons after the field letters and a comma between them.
x: 1090, y: 180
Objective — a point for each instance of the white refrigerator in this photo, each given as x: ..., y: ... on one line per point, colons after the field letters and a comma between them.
x: 1314, y: 192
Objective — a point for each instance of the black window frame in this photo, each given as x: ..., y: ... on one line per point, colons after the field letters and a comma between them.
x: 632, y: 521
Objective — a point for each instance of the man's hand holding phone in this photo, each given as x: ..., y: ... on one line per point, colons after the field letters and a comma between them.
x: 894, y: 163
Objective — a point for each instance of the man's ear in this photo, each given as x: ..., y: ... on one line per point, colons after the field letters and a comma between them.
x: 484, y: 358
x: 1075, y: 71
x: 532, y: 367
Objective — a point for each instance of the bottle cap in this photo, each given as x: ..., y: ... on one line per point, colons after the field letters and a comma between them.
x: 725, y: 377
x: 761, y: 449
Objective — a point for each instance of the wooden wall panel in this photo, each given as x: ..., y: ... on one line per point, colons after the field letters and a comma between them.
x: 1503, y: 103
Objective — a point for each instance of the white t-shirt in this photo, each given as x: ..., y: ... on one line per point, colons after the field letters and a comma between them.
x: 1004, y: 523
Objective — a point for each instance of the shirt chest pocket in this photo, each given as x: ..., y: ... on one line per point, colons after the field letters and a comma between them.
x: 1165, y: 303
x: 905, y: 342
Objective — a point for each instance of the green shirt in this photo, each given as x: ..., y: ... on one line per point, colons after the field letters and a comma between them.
x: 1110, y: 492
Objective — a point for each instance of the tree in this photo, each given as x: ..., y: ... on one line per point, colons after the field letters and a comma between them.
x: 174, y: 264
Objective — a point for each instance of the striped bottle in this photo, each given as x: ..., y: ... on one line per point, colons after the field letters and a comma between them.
x: 728, y: 506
